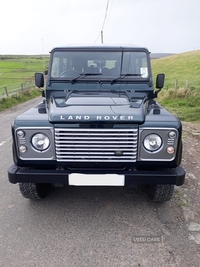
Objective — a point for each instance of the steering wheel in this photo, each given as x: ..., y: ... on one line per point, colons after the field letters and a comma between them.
x: 69, y: 73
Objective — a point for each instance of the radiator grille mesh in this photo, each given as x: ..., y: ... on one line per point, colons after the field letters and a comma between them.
x: 96, y: 145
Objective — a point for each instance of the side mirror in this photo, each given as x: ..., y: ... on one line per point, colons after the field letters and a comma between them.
x: 39, y: 80
x: 160, y: 80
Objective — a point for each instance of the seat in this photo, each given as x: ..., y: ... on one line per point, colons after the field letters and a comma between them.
x: 78, y: 64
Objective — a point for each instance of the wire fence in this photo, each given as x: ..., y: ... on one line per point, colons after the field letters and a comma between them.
x: 187, y: 84
x: 28, y: 84
x: 14, y: 88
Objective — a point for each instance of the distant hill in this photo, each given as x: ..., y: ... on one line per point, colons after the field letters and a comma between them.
x: 160, y: 55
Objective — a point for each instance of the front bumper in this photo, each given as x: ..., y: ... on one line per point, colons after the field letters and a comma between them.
x: 132, y: 177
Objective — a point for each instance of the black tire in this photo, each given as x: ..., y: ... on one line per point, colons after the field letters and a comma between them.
x: 34, y: 191
x: 160, y: 192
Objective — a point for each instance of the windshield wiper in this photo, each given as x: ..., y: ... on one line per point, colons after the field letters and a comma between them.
x: 83, y: 75
x: 123, y: 76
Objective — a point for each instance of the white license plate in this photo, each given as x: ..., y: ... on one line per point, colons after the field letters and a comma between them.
x: 96, y: 179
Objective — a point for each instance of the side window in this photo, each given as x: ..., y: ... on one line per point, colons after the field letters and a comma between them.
x: 142, y: 65
x: 55, y: 68
x: 64, y: 65
x: 59, y: 64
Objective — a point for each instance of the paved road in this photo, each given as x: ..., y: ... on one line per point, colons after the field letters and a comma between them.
x: 88, y: 226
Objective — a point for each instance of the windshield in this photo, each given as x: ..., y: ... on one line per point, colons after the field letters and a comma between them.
x: 99, y: 65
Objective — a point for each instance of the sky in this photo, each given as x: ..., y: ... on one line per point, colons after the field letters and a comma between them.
x: 36, y: 26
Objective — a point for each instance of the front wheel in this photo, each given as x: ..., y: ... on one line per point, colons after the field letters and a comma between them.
x: 160, y: 192
x: 34, y: 191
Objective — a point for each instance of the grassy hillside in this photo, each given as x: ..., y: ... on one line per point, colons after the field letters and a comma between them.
x: 182, y: 67
x: 184, y: 99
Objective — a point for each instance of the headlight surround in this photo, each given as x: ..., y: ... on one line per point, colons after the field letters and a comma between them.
x: 40, y: 141
x: 152, y: 142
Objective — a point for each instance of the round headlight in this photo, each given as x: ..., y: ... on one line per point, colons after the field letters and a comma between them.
x: 152, y: 142
x: 40, y: 141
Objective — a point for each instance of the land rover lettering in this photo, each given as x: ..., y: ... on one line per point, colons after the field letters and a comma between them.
x: 97, y: 118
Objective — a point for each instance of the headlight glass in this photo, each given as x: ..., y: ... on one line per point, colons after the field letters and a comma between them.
x: 40, y: 141
x: 152, y: 142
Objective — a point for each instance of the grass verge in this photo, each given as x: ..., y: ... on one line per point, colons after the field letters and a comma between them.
x: 8, y: 102
x: 184, y: 103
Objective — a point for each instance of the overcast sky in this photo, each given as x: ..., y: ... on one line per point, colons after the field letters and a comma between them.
x: 36, y: 26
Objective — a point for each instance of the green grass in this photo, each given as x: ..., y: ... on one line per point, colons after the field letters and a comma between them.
x: 182, y: 67
x: 8, y: 102
x: 183, y: 101
x: 20, y: 69
x: 17, y: 70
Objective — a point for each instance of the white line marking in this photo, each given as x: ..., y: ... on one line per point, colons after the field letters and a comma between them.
x: 1, y: 144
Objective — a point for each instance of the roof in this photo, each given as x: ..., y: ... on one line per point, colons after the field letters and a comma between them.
x: 102, y: 47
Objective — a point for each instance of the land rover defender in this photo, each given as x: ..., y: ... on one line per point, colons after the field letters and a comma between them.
x: 99, y: 124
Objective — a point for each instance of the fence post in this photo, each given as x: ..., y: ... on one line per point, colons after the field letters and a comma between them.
x: 187, y: 84
x: 175, y: 84
x: 6, y: 91
x: 22, y: 87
